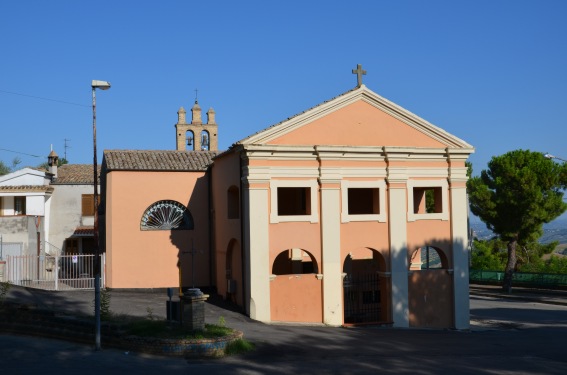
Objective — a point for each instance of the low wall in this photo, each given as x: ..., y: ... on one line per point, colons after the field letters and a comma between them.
x: 28, y: 320
x: 296, y: 298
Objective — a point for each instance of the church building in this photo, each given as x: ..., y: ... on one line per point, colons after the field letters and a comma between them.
x: 351, y: 212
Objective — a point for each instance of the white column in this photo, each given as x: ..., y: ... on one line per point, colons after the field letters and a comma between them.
x: 256, y: 253
x: 459, y: 228
x: 47, y: 220
x: 398, y: 253
x: 331, y: 249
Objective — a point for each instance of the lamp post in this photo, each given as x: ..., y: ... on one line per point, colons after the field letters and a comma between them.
x: 103, y: 85
x: 549, y: 156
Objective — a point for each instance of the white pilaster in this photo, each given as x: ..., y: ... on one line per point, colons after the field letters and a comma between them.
x: 331, y: 244
x: 256, y: 237
x: 398, y: 255
x: 459, y: 228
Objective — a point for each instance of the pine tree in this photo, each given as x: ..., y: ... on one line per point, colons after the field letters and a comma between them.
x: 519, y: 192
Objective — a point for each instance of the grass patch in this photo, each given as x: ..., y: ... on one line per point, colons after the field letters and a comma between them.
x: 165, y: 330
x: 239, y: 346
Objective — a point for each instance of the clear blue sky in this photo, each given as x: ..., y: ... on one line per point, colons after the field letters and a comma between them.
x: 493, y: 73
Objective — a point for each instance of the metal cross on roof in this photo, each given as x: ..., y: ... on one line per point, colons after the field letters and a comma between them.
x: 359, y: 73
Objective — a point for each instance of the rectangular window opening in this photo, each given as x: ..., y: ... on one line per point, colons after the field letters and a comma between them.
x: 427, y: 200
x: 363, y: 201
x: 294, y: 201
x: 233, y: 203
x: 19, y: 205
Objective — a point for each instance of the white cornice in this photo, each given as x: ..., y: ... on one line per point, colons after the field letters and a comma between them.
x: 358, y: 153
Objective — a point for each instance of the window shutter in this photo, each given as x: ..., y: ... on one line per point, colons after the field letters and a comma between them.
x: 88, y: 204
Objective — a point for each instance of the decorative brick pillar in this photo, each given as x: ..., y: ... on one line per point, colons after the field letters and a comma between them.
x: 193, y: 309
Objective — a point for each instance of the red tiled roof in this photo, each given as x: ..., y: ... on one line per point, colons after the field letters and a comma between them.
x: 158, y: 160
x: 26, y: 188
x: 83, y: 231
x: 71, y: 174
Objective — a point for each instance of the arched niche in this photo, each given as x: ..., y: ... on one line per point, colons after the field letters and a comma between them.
x: 294, y: 261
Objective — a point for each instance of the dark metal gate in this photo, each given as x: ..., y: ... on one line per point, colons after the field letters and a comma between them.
x: 362, y: 300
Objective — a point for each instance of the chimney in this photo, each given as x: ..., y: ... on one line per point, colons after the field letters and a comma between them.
x: 52, y: 161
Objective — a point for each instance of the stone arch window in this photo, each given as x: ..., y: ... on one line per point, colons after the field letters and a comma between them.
x: 428, y: 258
x: 233, y: 202
x: 190, y: 140
x: 166, y: 215
x: 293, y: 262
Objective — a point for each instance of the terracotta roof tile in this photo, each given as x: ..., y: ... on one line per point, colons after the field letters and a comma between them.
x: 82, y: 231
x: 26, y: 188
x: 70, y: 174
x: 158, y: 160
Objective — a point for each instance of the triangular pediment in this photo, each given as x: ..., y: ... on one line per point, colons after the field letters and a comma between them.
x: 359, y: 117
x: 24, y: 176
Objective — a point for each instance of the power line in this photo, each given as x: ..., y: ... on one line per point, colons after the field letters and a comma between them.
x: 17, y: 152
x: 48, y: 99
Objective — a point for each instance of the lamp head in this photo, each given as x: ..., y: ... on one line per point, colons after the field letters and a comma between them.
x: 103, y: 85
x: 549, y: 156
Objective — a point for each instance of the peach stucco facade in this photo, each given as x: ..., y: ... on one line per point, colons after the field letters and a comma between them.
x: 356, y: 144
x: 153, y: 259
x: 352, y: 212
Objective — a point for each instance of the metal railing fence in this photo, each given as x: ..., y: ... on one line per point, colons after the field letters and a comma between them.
x: 59, y: 272
x: 527, y: 279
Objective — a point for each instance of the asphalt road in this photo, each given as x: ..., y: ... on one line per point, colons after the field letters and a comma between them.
x: 507, y: 337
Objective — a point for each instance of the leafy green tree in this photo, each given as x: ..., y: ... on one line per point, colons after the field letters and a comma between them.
x: 519, y: 192
x: 488, y: 255
x: 554, y: 264
x: 60, y: 162
x: 532, y: 253
x: 5, y: 169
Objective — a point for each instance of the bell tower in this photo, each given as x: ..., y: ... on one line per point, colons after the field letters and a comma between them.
x: 196, y: 136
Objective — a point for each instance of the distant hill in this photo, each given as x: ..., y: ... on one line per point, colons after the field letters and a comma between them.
x: 554, y: 231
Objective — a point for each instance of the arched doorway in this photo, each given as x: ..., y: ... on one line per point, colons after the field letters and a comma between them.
x: 366, y: 288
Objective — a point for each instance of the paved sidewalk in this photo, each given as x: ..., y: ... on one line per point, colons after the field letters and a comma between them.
x: 153, y: 303
x: 551, y: 297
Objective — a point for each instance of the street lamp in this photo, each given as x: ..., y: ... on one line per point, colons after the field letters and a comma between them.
x: 103, y: 85
x: 549, y: 156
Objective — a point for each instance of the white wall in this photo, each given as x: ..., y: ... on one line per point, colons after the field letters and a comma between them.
x: 25, y: 176
x: 35, y: 205
x: 66, y: 212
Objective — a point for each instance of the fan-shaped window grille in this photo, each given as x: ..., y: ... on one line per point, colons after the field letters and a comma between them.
x: 166, y: 215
